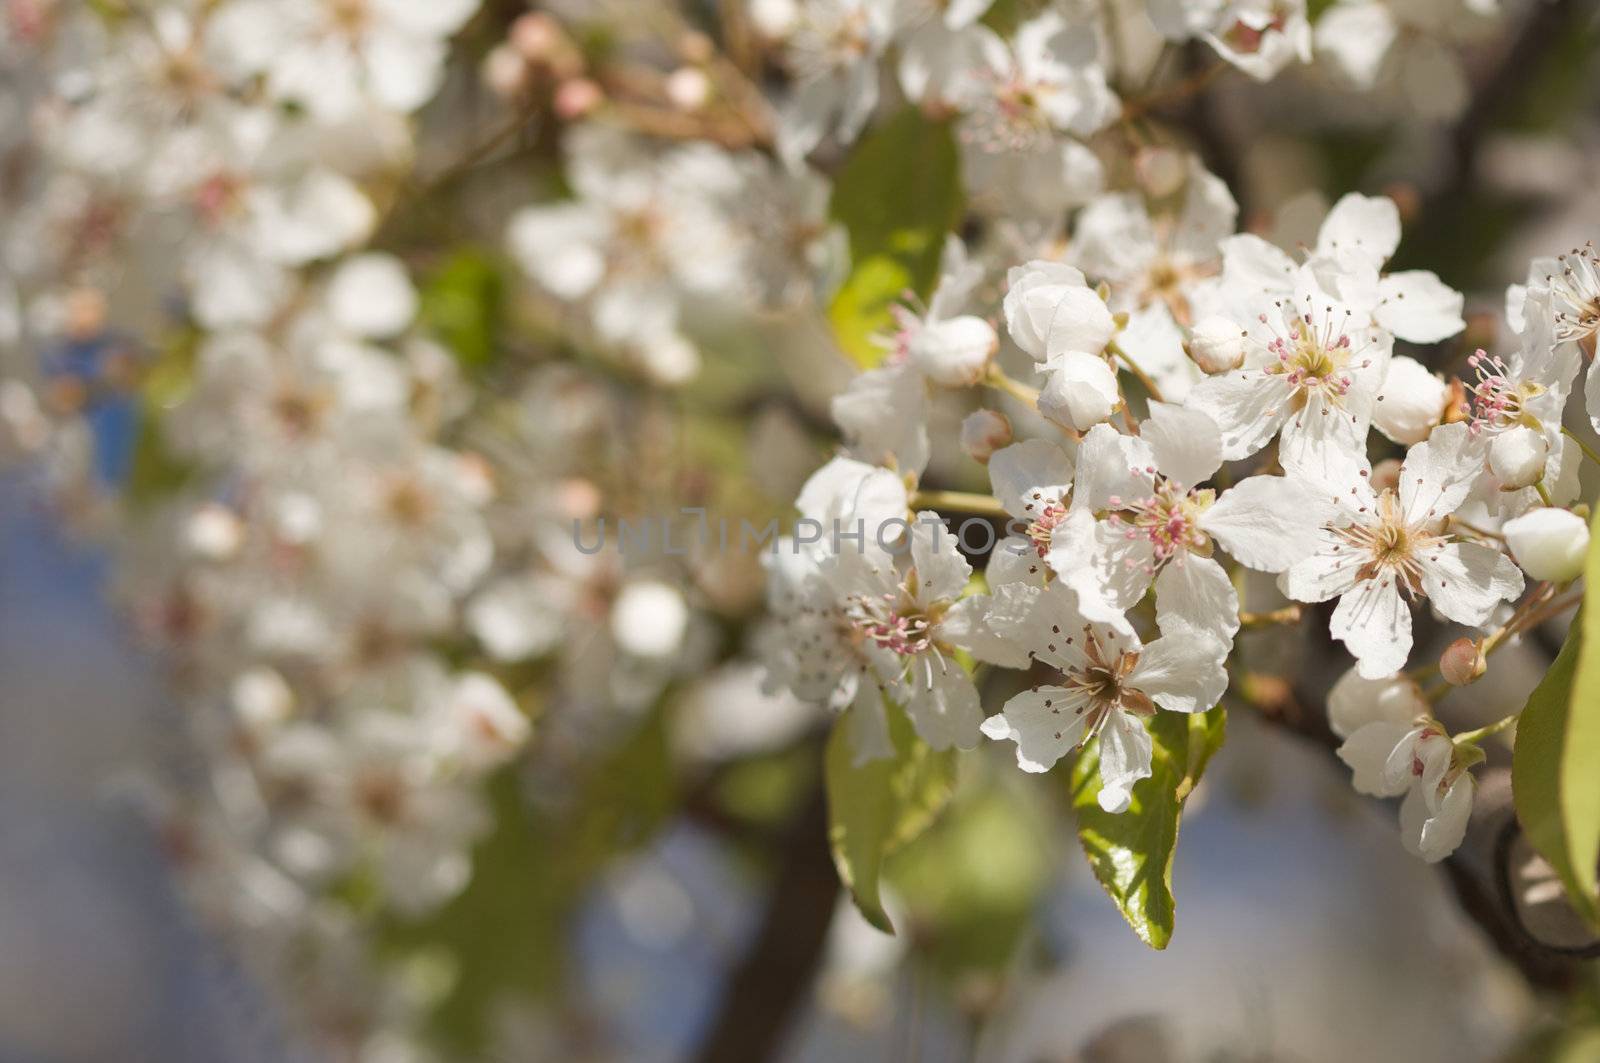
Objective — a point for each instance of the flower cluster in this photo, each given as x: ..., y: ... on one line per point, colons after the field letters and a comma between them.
x: 1264, y: 377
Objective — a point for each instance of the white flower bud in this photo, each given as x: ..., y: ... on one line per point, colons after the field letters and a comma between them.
x: 1081, y: 391
x: 1160, y: 170
x: 1386, y: 475
x: 650, y: 619
x: 505, y: 72
x: 1549, y: 543
x: 1409, y: 403
x: 956, y: 352
x: 1050, y: 310
x: 688, y: 88
x: 1216, y: 344
x: 1517, y: 457
x: 983, y: 433
x: 215, y: 532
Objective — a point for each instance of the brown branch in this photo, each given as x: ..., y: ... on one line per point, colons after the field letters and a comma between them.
x: 772, y: 981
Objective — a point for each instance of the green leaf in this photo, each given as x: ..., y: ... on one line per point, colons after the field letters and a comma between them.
x: 897, y: 196
x: 1555, y: 769
x: 463, y: 304
x: 880, y: 806
x: 1131, y: 853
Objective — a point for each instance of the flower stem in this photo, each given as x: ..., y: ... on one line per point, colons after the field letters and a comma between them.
x: 1588, y: 453
x: 1289, y: 614
x: 1133, y: 367
x: 960, y: 501
x: 1474, y: 737
x: 1544, y: 495
x: 998, y: 380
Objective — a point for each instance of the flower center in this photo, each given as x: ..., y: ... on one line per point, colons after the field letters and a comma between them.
x: 1169, y: 519
x: 1103, y: 678
x: 890, y: 622
x: 1009, y: 117
x: 1392, y: 548
x: 1314, y: 356
x: 1499, y: 403
x: 1577, y: 292
x: 1041, y: 531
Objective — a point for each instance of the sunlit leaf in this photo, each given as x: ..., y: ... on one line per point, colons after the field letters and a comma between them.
x: 1132, y: 853
x: 897, y: 196
x: 876, y: 808
x: 1554, y: 775
x: 463, y: 305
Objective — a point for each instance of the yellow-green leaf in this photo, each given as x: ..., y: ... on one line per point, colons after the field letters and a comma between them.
x: 897, y: 196
x: 1555, y: 770
x: 880, y: 806
x: 1131, y: 853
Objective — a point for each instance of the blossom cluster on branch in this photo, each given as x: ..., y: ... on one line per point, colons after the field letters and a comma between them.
x: 353, y: 519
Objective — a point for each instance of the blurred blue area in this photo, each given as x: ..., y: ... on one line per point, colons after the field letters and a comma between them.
x: 111, y: 407
x: 99, y: 960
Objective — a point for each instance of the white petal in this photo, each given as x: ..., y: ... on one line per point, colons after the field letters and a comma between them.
x: 1187, y: 443
x: 1356, y: 702
x: 1249, y: 407
x: 1268, y: 522
x: 1418, y: 307
x: 371, y: 295
x: 942, y: 572
x: 1369, y: 225
x: 1249, y: 262
x: 1367, y: 752
x: 1465, y: 581
x: 967, y: 626
x: 1374, y: 623
x: 1125, y: 750
x: 943, y: 704
x: 1195, y: 592
x: 1028, y: 476
x: 1182, y: 672
x: 1356, y: 37
x: 1043, y: 732
x: 1329, y: 572
x: 869, y: 726
x: 403, y: 70
x: 1106, y: 460
x: 1443, y: 831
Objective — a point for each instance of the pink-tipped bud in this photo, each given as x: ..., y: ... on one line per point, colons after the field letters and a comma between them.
x: 537, y: 36
x: 1462, y: 662
x: 983, y: 433
x: 576, y: 98
x: 1386, y: 475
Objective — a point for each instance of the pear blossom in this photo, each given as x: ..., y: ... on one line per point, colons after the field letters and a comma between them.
x: 907, y: 614
x: 1160, y: 526
x: 1047, y: 80
x: 1394, y: 746
x: 1033, y: 481
x: 1108, y: 682
x: 833, y: 48
x: 1388, y: 549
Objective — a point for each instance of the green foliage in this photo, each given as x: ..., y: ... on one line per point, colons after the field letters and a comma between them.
x: 897, y: 196
x: 463, y: 304
x: 504, y: 936
x: 1555, y: 771
x: 972, y: 882
x: 877, y: 808
x: 1131, y: 853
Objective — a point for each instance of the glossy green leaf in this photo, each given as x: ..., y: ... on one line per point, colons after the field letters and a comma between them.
x: 1555, y: 771
x: 1131, y: 853
x: 880, y: 806
x: 897, y: 196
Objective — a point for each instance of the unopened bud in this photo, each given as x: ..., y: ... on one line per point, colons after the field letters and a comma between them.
x: 696, y: 47
x: 505, y: 72
x: 537, y: 36
x: 983, y: 433
x: 688, y: 88
x: 1549, y: 543
x: 1386, y: 475
x: 1462, y: 662
x: 1161, y: 171
x: 1216, y: 344
x: 1080, y: 393
x: 1410, y: 403
x: 576, y: 98
x: 1517, y: 457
